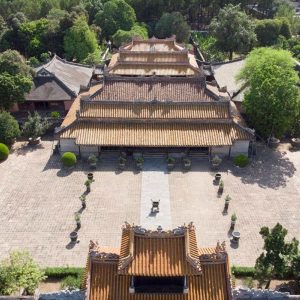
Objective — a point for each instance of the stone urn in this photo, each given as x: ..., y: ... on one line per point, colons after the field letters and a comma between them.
x: 273, y: 142
x: 34, y: 141
x: 295, y: 142
x: 73, y: 236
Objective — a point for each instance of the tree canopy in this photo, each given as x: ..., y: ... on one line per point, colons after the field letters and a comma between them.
x: 272, y: 98
x: 14, y: 63
x: 116, y: 15
x: 268, y: 31
x: 233, y: 30
x: 19, y: 271
x: 173, y: 24
x: 278, y: 255
x: 80, y: 40
x: 9, y: 128
x: 122, y: 36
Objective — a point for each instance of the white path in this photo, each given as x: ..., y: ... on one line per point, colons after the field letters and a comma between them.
x: 155, y: 186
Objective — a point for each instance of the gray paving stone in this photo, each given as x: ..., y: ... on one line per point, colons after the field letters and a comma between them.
x: 38, y: 201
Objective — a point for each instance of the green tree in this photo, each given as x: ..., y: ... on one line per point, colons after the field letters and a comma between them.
x: 286, y: 11
x: 269, y: 30
x: 12, y: 62
x: 122, y: 36
x: 116, y: 14
x: 276, y: 259
x: 19, y: 271
x: 80, y: 40
x: 272, y: 98
x: 35, y: 126
x: 9, y: 128
x: 13, y: 89
x: 31, y: 35
x: 173, y: 24
x: 234, y: 30
x: 296, y: 266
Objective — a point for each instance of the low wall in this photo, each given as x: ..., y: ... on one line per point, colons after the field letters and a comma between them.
x: 258, y: 294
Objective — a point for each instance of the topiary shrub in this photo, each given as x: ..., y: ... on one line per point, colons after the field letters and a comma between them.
x: 68, y: 159
x: 4, y: 151
x: 241, y: 160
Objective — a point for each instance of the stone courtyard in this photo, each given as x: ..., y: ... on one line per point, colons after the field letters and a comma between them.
x: 38, y: 200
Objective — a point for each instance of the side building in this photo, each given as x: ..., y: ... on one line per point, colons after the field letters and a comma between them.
x: 57, y: 84
x: 158, y: 265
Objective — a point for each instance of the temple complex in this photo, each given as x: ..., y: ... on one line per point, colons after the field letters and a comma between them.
x: 154, y: 97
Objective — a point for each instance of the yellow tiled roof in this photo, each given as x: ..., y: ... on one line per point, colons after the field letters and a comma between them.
x: 158, y: 88
x: 148, y: 253
x: 71, y: 115
x: 158, y: 254
x: 154, y: 135
x: 97, y: 109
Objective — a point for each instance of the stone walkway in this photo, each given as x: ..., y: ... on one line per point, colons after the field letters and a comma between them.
x: 155, y: 186
x: 38, y: 201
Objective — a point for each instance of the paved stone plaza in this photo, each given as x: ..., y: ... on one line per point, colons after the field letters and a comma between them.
x: 38, y: 201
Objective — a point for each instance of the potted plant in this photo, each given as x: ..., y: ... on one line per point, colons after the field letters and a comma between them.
x: 187, y: 163
x: 295, y: 142
x: 227, y: 200
x: 88, y: 185
x: 34, y: 127
x: 218, y: 178
x: 83, y: 201
x: 215, y: 162
x: 221, y: 187
x: 73, y: 236
x: 273, y: 142
x: 77, y: 219
x: 122, y: 162
x: 233, y: 221
x: 139, y: 162
x: 170, y: 162
x: 92, y: 160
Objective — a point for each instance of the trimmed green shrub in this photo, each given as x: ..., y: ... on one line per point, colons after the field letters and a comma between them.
x: 68, y: 159
x: 241, y: 160
x: 243, y: 271
x: 55, y: 115
x: 62, y: 272
x: 9, y: 128
x: 71, y: 283
x: 4, y: 151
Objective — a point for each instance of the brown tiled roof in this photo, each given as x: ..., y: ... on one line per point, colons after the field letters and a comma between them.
x: 148, y: 89
x: 107, y: 285
x: 153, y: 56
x: 116, y: 110
x: 160, y: 45
x: 71, y: 115
x: 148, y: 253
x: 158, y: 254
x: 154, y: 135
x: 144, y: 69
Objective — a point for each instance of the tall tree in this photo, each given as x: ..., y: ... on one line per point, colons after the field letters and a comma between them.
x: 272, y: 98
x: 12, y: 62
x: 13, y: 89
x: 19, y: 271
x: 173, y: 24
x: 234, y: 30
x: 80, y: 40
x: 116, y: 14
x: 278, y: 254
